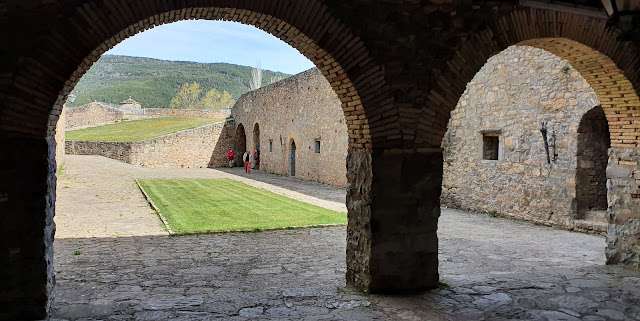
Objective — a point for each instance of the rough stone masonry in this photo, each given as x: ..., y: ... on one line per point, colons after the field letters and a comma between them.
x: 509, y: 100
x: 301, y: 111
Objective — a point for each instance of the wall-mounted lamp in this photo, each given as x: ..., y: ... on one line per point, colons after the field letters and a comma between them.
x: 543, y: 130
x: 553, y: 146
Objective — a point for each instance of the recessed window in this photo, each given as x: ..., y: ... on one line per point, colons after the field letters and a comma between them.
x: 490, y: 146
x: 317, y: 146
x: 270, y: 145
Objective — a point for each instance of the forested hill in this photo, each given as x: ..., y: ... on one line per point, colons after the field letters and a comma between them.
x: 154, y: 82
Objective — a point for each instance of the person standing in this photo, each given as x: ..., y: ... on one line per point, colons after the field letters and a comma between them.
x: 231, y: 157
x: 247, y: 158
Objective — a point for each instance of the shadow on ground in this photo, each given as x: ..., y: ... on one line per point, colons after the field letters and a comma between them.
x: 493, y: 269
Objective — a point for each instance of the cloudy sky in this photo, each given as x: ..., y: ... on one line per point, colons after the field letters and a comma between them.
x: 214, y: 41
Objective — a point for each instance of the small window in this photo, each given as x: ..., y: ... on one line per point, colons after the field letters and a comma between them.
x: 270, y: 145
x: 490, y: 146
x: 317, y: 147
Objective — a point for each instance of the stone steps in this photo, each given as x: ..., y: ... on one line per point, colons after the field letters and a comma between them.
x: 596, y: 216
x: 590, y: 226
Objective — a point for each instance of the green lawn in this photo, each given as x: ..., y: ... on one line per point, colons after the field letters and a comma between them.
x: 137, y: 130
x: 213, y: 205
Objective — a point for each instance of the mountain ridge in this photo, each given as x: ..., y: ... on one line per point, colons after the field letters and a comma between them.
x: 153, y: 82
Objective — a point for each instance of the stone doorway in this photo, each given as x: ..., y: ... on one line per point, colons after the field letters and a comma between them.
x: 591, y: 177
x: 256, y: 143
x: 240, y: 144
x: 292, y: 158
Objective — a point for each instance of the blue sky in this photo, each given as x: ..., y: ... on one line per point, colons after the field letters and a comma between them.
x: 214, y: 41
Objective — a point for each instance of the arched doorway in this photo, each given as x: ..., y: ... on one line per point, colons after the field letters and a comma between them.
x: 591, y: 177
x: 240, y: 142
x: 256, y: 143
x: 292, y: 158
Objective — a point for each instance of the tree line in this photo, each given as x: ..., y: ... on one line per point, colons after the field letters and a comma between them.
x: 188, y: 97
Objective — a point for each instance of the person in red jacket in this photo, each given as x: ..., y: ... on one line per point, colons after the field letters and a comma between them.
x: 231, y: 157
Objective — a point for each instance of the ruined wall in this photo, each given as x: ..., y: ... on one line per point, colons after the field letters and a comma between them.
x: 513, y: 93
x: 91, y: 114
x: 303, y: 109
x: 198, y: 113
x: 203, y: 146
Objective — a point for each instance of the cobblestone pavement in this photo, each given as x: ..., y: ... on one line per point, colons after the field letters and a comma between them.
x: 491, y: 269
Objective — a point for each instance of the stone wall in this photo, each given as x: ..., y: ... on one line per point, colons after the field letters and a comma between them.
x: 203, y: 146
x: 510, y: 97
x: 199, y: 113
x: 59, y: 138
x: 113, y: 150
x: 623, y: 175
x: 302, y: 109
x: 90, y: 115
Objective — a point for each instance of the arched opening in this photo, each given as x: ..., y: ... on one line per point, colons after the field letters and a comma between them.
x: 240, y: 142
x: 591, y: 177
x: 256, y: 143
x: 292, y: 158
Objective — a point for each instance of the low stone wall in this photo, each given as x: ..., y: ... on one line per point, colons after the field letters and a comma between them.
x: 623, y: 175
x: 118, y: 151
x: 205, y: 146
x: 199, y: 113
x: 90, y: 115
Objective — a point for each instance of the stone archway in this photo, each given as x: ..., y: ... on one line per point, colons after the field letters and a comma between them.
x: 609, y: 65
x: 292, y: 158
x: 591, y: 178
x: 398, y: 68
x: 88, y: 29
x: 256, y: 144
x: 240, y: 143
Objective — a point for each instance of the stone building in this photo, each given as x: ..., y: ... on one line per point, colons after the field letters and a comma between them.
x: 495, y: 153
x: 299, y: 126
x: 131, y: 105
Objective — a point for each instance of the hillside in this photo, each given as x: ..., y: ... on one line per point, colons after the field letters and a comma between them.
x: 154, y: 82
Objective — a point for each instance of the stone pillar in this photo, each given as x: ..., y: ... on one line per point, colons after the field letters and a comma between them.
x: 623, y: 183
x: 27, y: 197
x: 393, y: 199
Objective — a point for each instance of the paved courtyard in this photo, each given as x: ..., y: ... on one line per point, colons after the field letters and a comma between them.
x: 114, y: 261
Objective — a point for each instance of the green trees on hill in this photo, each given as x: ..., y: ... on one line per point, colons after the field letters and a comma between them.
x: 188, y: 97
x: 153, y: 82
x: 216, y: 100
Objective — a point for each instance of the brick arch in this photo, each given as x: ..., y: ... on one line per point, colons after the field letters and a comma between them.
x: 307, y: 26
x: 610, y: 66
